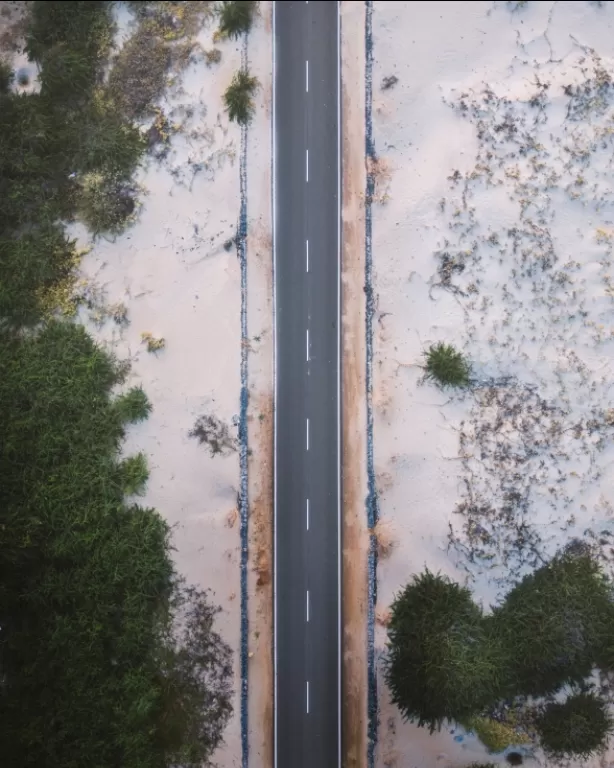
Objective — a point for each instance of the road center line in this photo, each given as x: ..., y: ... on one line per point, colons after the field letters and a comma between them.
x: 307, y: 76
x: 307, y: 344
x: 307, y: 165
x: 307, y: 696
x: 307, y: 514
x: 307, y: 254
x: 307, y: 434
x: 307, y: 606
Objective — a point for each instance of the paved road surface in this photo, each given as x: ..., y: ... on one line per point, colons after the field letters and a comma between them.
x: 307, y: 375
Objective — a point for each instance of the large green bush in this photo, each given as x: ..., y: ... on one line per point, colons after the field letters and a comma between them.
x: 578, y: 727
x: 555, y: 623
x: 441, y: 662
x: 447, y: 661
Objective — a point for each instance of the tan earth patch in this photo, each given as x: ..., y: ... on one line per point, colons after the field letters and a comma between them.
x: 355, y: 533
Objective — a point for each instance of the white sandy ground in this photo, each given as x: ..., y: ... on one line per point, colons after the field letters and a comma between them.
x: 175, y: 278
x: 501, y: 181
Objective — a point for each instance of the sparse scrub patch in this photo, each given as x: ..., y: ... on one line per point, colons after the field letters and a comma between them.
x: 494, y: 735
x: 238, y: 97
x: 214, y: 433
x: 213, y: 56
x: 153, y: 344
x: 106, y: 203
x: 139, y: 75
x: 389, y: 82
x: 236, y: 17
x: 447, y: 366
x: 579, y: 727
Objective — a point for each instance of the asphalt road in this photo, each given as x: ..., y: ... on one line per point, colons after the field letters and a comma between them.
x: 307, y: 444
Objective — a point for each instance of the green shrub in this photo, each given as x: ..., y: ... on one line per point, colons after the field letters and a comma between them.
x: 554, y: 623
x: 133, y: 475
x: 441, y: 663
x: 579, y: 727
x: 238, y: 97
x: 106, y: 203
x: 236, y: 17
x: 133, y: 406
x: 447, y: 366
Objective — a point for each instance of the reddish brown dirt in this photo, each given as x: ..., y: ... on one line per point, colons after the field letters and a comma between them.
x: 355, y: 533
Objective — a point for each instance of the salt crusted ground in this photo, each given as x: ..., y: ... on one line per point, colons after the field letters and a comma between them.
x: 493, y: 231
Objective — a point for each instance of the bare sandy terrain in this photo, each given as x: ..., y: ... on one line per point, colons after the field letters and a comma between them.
x: 493, y: 231
x: 175, y: 275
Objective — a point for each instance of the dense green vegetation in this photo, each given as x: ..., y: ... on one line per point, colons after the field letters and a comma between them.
x: 50, y: 142
x: 107, y: 657
x: 446, y: 660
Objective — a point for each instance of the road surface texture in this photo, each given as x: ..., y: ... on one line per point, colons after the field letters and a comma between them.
x: 307, y: 442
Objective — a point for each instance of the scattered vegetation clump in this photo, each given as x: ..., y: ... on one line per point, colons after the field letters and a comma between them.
x: 153, y: 344
x: 238, y: 97
x: 213, y: 56
x: 106, y: 203
x: 139, y: 75
x: 578, y: 727
x: 211, y: 431
x: 236, y: 17
x: 441, y: 662
x: 389, y: 82
x: 447, y: 366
